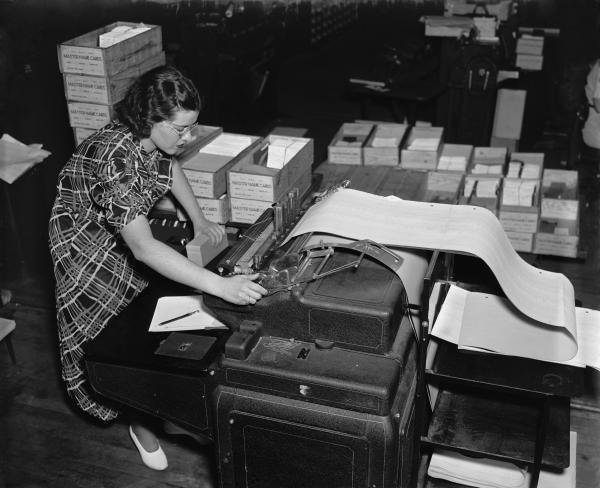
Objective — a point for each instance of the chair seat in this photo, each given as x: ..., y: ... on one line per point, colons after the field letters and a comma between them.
x: 6, y: 327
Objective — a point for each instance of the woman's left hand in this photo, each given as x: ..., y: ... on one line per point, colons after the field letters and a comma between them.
x: 215, y: 232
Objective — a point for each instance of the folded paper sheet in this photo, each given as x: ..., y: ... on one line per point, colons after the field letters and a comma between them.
x: 479, y: 321
x: 16, y: 157
x: 544, y: 296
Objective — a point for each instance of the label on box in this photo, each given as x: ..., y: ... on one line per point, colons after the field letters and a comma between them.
x: 519, y: 221
x: 521, y: 241
x: 201, y: 182
x: 554, y: 208
x: 247, y: 211
x: 79, y: 59
x: 252, y: 186
x: 81, y: 134
x: 89, y: 115
x: 215, y: 209
x: 86, y: 88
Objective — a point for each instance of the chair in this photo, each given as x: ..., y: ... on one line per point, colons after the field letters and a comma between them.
x: 7, y: 327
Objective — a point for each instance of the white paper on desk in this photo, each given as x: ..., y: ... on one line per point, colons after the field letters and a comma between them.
x: 16, y: 157
x: 170, y: 307
x: 542, y: 295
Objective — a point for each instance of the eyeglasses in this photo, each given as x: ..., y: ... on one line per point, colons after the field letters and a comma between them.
x: 180, y: 131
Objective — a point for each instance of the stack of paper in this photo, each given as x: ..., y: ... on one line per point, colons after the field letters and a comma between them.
x: 519, y: 192
x: 120, y: 33
x: 488, y: 473
x: 182, y: 313
x: 16, y: 157
x: 482, y: 169
x: 481, y: 472
x: 227, y: 144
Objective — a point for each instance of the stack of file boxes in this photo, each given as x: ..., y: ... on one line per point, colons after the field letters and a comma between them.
x: 98, y: 68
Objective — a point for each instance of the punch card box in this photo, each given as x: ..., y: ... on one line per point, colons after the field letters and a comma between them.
x: 456, y: 158
x: 482, y: 191
x: 277, y: 167
x: 346, y: 147
x: 206, y: 170
x: 521, y: 193
x: 383, y: 145
x: 422, y: 148
x: 489, y: 161
x: 84, y: 56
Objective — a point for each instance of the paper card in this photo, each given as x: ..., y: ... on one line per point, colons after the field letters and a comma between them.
x: 182, y: 313
x: 227, y: 145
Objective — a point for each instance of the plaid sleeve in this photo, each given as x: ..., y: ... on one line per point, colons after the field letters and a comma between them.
x: 119, y: 193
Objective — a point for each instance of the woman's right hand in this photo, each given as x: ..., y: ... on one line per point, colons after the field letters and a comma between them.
x: 242, y: 290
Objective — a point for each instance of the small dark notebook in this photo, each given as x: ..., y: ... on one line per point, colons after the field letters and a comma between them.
x: 185, y: 346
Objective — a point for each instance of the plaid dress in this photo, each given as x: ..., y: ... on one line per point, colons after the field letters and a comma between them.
x: 107, y: 183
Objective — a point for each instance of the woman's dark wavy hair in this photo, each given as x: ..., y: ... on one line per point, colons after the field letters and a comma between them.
x: 156, y: 96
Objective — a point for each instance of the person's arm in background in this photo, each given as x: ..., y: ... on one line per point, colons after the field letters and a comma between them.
x: 182, y: 191
x: 163, y: 259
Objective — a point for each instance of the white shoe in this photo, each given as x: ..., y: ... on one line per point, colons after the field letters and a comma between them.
x: 154, y: 460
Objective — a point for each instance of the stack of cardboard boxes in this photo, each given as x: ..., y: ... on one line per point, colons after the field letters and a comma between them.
x: 98, y: 68
x: 558, y: 232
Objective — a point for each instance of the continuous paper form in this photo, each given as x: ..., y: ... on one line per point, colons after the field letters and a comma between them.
x: 480, y: 321
x: 544, y: 296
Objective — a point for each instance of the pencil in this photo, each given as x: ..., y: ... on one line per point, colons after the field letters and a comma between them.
x: 179, y: 317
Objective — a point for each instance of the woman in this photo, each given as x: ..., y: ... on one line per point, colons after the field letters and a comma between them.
x: 100, y: 239
x: 591, y: 128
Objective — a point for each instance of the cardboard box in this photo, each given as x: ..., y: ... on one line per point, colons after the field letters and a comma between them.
x: 560, y: 195
x: 473, y: 193
x: 90, y: 115
x: 82, y: 55
x: 346, y: 147
x: 246, y: 211
x: 531, y: 165
x: 383, y: 145
x: 519, y: 218
x: 443, y: 187
x: 107, y: 90
x: 557, y: 238
x: 489, y: 160
x: 206, y: 170
x: 508, y: 115
x: 201, y: 251
x: 422, y: 148
x: 216, y: 209
x: 521, y: 241
x: 81, y: 133
x: 510, y: 144
x: 250, y: 178
x: 455, y: 158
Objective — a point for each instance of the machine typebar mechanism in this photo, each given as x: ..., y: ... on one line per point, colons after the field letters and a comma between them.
x: 297, y: 268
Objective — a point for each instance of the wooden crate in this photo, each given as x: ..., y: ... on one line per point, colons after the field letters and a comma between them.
x: 107, y: 90
x: 82, y: 55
